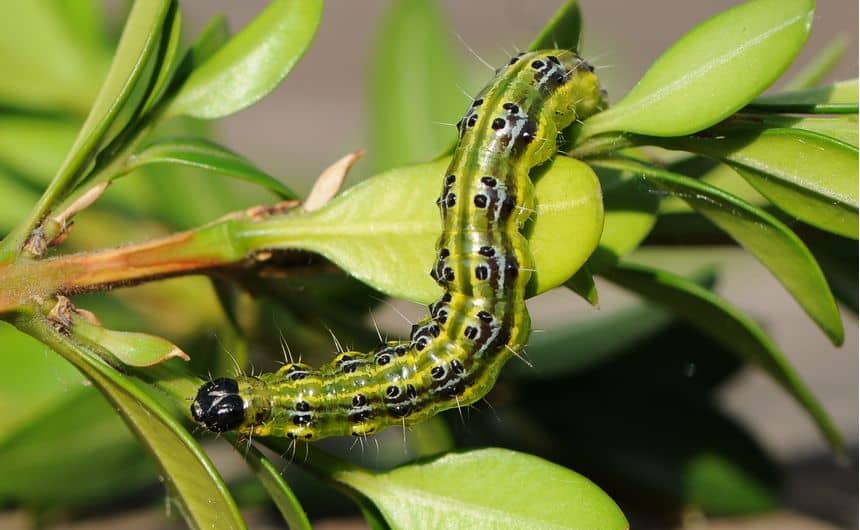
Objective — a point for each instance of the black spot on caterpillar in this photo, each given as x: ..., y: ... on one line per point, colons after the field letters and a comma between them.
x: 454, y: 356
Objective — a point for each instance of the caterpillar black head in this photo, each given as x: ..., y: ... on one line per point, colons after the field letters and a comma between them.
x: 218, y: 405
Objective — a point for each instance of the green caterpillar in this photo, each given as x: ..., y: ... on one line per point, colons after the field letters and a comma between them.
x: 454, y: 356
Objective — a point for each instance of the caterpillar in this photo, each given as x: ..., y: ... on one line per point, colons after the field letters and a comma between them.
x: 454, y: 356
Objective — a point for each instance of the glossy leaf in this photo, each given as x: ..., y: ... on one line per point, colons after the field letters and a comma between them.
x: 203, y: 154
x: 838, y: 98
x: 769, y: 240
x: 494, y: 488
x: 384, y: 230
x: 413, y: 86
x: 631, y: 206
x: 820, y: 65
x: 712, y: 71
x: 807, y: 175
x: 563, y: 31
x: 727, y: 325
x: 252, y: 63
x: 189, y: 474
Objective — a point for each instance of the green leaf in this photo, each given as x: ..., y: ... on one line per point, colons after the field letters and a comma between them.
x: 189, y: 474
x: 725, y: 324
x: 769, y: 240
x: 838, y: 98
x: 252, y: 63
x: 138, y: 42
x: 16, y: 200
x: 53, y: 68
x: 563, y: 31
x: 203, y: 154
x: 807, y: 175
x: 583, y: 284
x: 277, y: 488
x: 133, y: 349
x: 166, y: 60
x: 78, y: 440
x: 384, y: 230
x: 631, y: 207
x: 34, y: 146
x: 820, y: 65
x: 495, y: 488
x: 842, y: 127
x: 712, y: 71
x: 413, y: 86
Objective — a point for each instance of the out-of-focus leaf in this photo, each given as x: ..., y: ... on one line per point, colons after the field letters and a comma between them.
x: 495, y: 488
x: 583, y: 284
x: 188, y: 472
x: 578, y: 346
x: 631, y: 207
x: 252, y: 63
x: 384, y: 230
x: 820, y: 65
x: 670, y: 450
x: 203, y: 154
x: 77, y: 440
x: 413, y: 86
x: 277, y: 488
x: 838, y: 98
x: 138, y: 42
x: 35, y: 146
x: 15, y: 201
x: 807, y: 175
x: 563, y: 31
x: 769, y: 240
x: 712, y: 71
x: 52, y: 68
x: 838, y: 258
x: 86, y: 20
x: 727, y: 325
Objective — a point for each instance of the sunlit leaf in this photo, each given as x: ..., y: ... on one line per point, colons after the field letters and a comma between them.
x: 384, y: 230
x: 712, y: 71
x: 203, y: 154
x: 252, y: 63
x: 838, y: 98
x: 495, y: 488
x: 808, y: 175
x: 775, y: 245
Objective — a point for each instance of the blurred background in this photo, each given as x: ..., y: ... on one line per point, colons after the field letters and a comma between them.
x: 321, y: 112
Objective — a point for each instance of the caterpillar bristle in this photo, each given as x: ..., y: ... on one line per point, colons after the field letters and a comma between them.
x: 452, y: 357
